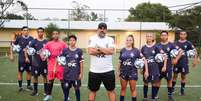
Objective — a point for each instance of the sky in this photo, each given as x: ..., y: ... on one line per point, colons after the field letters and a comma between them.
x: 94, y: 4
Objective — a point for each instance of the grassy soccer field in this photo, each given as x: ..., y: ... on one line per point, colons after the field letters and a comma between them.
x: 9, y: 88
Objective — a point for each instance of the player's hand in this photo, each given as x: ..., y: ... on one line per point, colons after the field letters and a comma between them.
x: 163, y: 69
x: 27, y: 60
x: 194, y: 63
x: 11, y: 58
x: 80, y: 76
x: 146, y: 74
x: 117, y: 75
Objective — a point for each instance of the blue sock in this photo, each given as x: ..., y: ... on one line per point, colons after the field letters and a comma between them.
x: 145, y: 90
x: 121, y: 98
x: 45, y: 88
x: 154, y: 91
x: 134, y: 98
x: 182, y: 87
x: 28, y: 82
x: 36, y: 87
x: 173, y: 84
x: 157, y: 89
x: 77, y: 93
x: 20, y: 83
x: 169, y: 91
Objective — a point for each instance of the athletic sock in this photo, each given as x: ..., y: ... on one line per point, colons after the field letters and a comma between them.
x: 134, y: 98
x: 28, y: 83
x: 121, y: 98
x: 77, y: 93
x: 50, y: 86
x: 145, y: 90
x: 154, y: 90
x: 45, y: 87
x: 157, y: 89
x: 169, y: 91
x: 20, y: 83
x: 173, y: 84
x: 182, y: 87
x: 36, y: 87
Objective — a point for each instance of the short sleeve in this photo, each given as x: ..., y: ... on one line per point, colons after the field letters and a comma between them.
x: 120, y: 55
x: 16, y: 41
x: 81, y: 57
x: 138, y: 54
x: 31, y: 44
x: 190, y: 45
x: 91, y: 43
x: 63, y: 53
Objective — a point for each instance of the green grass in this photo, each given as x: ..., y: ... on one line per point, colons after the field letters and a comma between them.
x: 8, y: 74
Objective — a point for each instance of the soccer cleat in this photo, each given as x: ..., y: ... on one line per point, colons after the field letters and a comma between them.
x: 34, y: 93
x: 47, y: 98
x: 170, y: 98
x: 29, y: 88
x: 20, y: 89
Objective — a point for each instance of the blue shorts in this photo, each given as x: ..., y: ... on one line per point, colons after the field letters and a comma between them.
x: 22, y: 66
x: 152, y: 79
x: 167, y: 75
x: 129, y: 75
x: 74, y: 83
x: 181, y: 69
x: 37, y: 71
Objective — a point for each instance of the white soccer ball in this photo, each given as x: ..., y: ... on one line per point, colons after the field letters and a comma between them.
x: 61, y: 60
x: 31, y: 51
x: 174, y: 53
x: 16, y: 48
x: 139, y: 63
x: 45, y: 53
x: 191, y: 53
x: 159, y: 57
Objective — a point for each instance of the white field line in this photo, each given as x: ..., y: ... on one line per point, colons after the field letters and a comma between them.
x: 85, y: 85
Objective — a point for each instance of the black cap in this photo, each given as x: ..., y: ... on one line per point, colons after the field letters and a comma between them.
x: 102, y: 25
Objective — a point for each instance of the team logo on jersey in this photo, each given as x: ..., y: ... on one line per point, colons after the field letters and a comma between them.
x: 168, y: 49
x: 132, y: 55
x: 185, y: 46
x: 153, y: 52
x: 76, y: 56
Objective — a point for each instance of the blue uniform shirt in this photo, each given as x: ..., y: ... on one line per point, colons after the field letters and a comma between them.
x: 72, y: 67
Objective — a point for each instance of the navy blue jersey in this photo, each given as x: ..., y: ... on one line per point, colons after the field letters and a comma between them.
x: 149, y: 53
x: 127, y: 58
x: 72, y: 67
x: 37, y: 45
x: 166, y: 48
x: 23, y: 42
x: 185, y: 46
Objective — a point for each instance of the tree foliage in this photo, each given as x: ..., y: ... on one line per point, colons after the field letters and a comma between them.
x: 49, y: 29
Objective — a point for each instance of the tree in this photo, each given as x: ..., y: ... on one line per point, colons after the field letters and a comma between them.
x: 28, y: 16
x: 79, y: 13
x: 49, y: 29
x: 13, y: 16
x: 149, y: 13
x: 4, y: 7
x: 94, y: 16
x: 190, y: 21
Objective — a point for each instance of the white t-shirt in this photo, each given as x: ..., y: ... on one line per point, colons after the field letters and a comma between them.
x: 101, y: 63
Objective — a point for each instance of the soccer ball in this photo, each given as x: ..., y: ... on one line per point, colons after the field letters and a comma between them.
x: 31, y: 51
x: 61, y: 60
x: 159, y: 57
x: 16, y: 48
x: 45, y: 54
x: 139, y: 63
x: 174, y: 53
x: 191, y: 53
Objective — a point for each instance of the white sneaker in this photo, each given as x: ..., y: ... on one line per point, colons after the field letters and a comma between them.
x: 47, y: 98
x: 68, y: 98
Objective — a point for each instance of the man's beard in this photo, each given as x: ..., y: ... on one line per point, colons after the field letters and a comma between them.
x: 101, y: 34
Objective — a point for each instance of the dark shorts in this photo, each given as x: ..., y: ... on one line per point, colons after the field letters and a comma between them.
x: 167, y: 75
x: 37, y: 71
x: 181, y: 69
x: 129, y: 75
x: 22, y: 66
x: 95, y: 80
x: 152, y: 79
x: 74, y: 83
